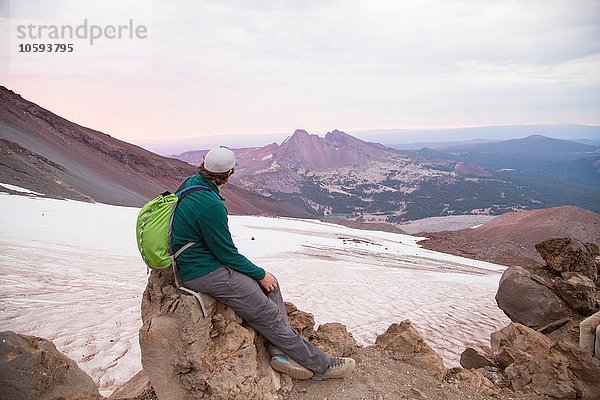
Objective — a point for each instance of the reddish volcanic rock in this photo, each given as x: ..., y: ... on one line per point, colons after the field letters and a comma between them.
x: 315, y: 153
x: 510, y: 239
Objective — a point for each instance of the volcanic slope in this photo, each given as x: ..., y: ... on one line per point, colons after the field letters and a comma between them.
x: 49, y: 154
x: 510, y: 239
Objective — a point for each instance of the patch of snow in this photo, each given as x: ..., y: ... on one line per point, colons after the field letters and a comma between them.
x: 20, y: 189
x: 271, y: 168
x: 70, y: 272
x: 334, y: 189
x: 267, y: 157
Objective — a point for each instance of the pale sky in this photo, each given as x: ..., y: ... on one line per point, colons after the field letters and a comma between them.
x: 243, y: 67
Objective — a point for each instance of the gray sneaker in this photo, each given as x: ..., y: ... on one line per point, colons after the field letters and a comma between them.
x: 283, y: 363
x: 338, y: 368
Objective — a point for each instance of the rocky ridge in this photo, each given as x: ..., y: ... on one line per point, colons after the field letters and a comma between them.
x: 341, y: 174
x: 539, y: 352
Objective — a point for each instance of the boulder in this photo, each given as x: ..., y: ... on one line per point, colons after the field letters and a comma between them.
x: 578, y: 291
x: 137, y: 388
x: 528, y: 301
x: 519, y: 337
x: 543, y: 377
x: 402, y: 341
x: 189, y: 356
x: 476, y: 356
x: 32, y: 368
x: 537, y: 365
x: 515, y: 347
x: 302, y: 322
x: 335, y: 340
x: 570, y: 255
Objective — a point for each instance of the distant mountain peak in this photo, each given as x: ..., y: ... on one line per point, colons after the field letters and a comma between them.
x: 341, y: 138
x: 301, y: 132
x: 336, y: 136
x: 536, y: 136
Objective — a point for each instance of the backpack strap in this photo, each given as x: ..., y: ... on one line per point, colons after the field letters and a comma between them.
x: 191, y: 189
x: 181, y: 194
x: 182, y: 184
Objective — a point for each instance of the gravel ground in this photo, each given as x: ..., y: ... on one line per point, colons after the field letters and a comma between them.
x: 381, y: 377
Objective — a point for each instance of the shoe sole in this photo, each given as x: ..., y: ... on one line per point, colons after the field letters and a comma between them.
x: 337, y: 374
x: 288, y: 369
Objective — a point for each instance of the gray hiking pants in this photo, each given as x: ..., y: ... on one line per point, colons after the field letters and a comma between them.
x: 265, y: 313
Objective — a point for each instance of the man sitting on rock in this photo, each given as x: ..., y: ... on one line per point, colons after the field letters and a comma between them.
x: 214, y: 266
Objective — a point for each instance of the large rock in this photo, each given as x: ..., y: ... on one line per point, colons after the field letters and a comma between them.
x: 333, y: 338
x: 578, y: 291
x: 472, y: 378
x: 187, y: 356
x: 517, y: 342
x: 515, y: 346
x: 301, y: 321
x: 525, y: 299
x: 570, y: 255
x: 534, y: 364
x: 32, y: 368
x: 543, y: 376
x: 405, y: 343
x: 476, y: 356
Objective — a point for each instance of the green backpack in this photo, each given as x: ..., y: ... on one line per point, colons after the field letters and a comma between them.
x: 153, y: 232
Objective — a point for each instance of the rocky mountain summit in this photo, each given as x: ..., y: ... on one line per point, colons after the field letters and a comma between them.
x: 367, y: 182
x: 341, y: 174
x: 186, y: 355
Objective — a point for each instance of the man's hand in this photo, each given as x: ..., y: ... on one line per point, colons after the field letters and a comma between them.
x: 268, y: 282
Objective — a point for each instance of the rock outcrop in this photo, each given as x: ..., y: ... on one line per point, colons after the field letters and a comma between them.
x: 187, y: 356
x: 525, y: 298
x: 578, y: 291
x: 403, y: 341
x: 333, y: 338
x: 539, y: 352
x: 571, y: 255
x: 476, y: 356
x: 566, y: 288
x: 528, y: 361
x: 32, y: 368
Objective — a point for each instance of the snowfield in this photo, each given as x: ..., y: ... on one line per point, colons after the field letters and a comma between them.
x: 70, y: 272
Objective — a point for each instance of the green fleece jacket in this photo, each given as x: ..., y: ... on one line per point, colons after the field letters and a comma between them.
x: 201, y: 217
